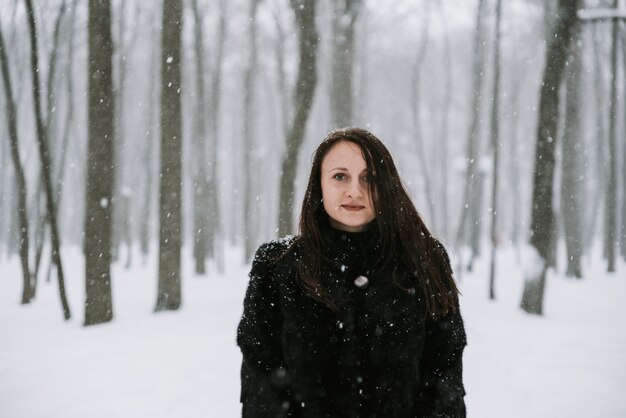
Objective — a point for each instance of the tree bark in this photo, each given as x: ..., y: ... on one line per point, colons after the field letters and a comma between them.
x: 200, y: 176
x: 170, y: 238
x: 495, y: 144
x: 341, y: 97
x: 571, y: 203
x: 305, y: 89
x: 215, y: 242
x: 543, y: 178
x: 100, y: 166
x: 28, y: 285
x: 442, y: 186
x: 44, y: 155
x: 469, y: 227
x: 250, y: 214
x: 418, y: 133
x: 610, y: 211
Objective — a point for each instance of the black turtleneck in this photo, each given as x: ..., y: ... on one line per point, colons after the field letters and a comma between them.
x: 356, y: 251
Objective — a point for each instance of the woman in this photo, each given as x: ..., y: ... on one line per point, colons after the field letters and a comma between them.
x: 358, y: 315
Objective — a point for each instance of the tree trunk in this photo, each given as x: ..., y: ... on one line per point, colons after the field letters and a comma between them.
x: 44, y: 155
x: 571, y: 203
x: 495, y: 143
x: 122, y: 189
x: 170, y: 238
x: 305, y: 89
x: 418, y: 133
x: 285, y: 107
x: 610, y: 211
x: 623, y: 217
x: 200, y: 177
x: 443, y: 136
x: 249, y: 112
x: 341, y: 97
x: 543, y: 179
x: 149, y: 157
x: 215, y: 247
x: 469, y: 227
x: 100, y: 164
x: 599, y: 191
x: 28, y: 286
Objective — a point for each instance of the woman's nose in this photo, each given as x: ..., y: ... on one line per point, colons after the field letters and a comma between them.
x: 355, y: 190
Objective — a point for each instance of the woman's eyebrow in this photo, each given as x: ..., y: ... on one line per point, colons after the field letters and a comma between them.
x: 338, y: 168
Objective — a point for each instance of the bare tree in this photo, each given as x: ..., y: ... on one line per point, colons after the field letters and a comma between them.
x: 571, y: 191
x: 199, y: 163
x: 305, y: 89
x: 215, y: 244
x: 100, y: 164
x: 610, y: 211
x: 416, y: 98
x: 44, y: 155
x: 151, y: 144
x: 543, y: 179
x: 341, y: 96
x: 249, y: 112
x: 170, y: 238
x: 124, y: 41
x: 28, y: 285
x: 495, y: 144
x: 469, y: 227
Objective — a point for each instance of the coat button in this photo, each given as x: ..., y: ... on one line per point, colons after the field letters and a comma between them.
x: 361, y: 281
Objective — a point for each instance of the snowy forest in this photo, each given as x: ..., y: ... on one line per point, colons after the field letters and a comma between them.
x: 164, y: 141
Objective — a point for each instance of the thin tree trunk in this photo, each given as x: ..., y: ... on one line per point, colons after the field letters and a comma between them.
x: 341, y: 97
x: 215, y: 247
x: 100, y: 166
x: 543, y: 180
x: 201, y: 186
x: 417, y: 124
x: 305, y: 89
x: 443, y: 130
x: 170, y: 238
x: 149, y: 159
x: 285, y: 108
x: 571, y: 191
x: 495, y: 143
x: 469, y: 225
x: 48, y: 121
x: 249, y: 112
x: 610, y: 230
x: 623, y: 218
x: 28, y: 288
x: 44, y: 155
x: 599, y: 191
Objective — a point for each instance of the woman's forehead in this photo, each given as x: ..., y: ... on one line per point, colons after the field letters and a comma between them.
x: 345, y: 153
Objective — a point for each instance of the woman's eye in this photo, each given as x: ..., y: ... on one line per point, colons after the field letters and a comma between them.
x: 365, y: 178
x: 339, y: 176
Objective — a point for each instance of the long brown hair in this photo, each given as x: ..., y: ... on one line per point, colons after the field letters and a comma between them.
x: 404, y: 238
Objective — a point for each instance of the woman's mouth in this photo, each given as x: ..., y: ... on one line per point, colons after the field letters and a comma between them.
x: 353, y: 208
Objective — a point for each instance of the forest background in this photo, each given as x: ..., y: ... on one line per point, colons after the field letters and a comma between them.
x: 171, y: 132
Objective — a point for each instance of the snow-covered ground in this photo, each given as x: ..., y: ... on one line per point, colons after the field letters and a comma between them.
x: 569, y: 363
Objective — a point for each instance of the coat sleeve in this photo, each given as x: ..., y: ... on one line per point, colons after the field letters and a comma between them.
x: 441, y: 366
x: 263, y: 378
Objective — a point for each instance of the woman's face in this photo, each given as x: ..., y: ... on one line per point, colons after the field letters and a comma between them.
x: 345, y: 187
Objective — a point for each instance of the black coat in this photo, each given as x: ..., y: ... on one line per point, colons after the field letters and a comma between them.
x: 380, y: 355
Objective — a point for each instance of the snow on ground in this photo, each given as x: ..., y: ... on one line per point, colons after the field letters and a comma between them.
x: 569, y: 363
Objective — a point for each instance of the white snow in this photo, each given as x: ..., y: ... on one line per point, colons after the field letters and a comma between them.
x: 569, y: 363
